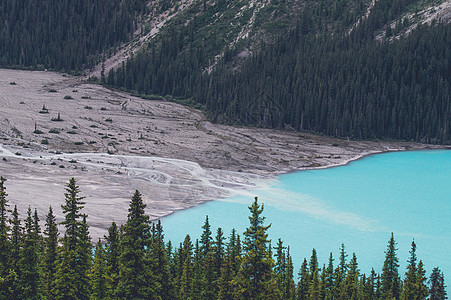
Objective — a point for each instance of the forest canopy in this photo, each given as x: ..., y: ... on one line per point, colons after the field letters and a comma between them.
x: 135, y: 262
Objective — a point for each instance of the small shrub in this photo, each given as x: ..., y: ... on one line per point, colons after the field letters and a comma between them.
x: 13, y: 83
x: 68, y: 97
x: 85, y: 97
x: 37, y: 131
x: 87, y: 107
x: 109, y: 120
x: 45, y: 141
x: 78, y: 143
x: 74, y: 127
x: 71, y: 132
x: 54, y: 130
x: 18, y: 153
x: 75, y: 91
x: 62, y: 167
x: 4, y: 159
x: 53, y: 163
x: 73, y: 161
x: 52, y: 91
x: 103, y: 108
x: 93, y: 126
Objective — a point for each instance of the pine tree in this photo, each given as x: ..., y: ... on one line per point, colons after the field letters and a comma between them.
x: 314, y: 288
x: 389, y: 279
x: 420, y: 284
x: 50, y: 255
x: 351, y: 282
x: 410, y: 290
x: 135, y: 273
x: 30, y: 275
x: 205, y: 239
x: 256, y: 273
x: 99, y: 273
x: 4, y: 243
x: 159, y: 254
x: 303, y: 283
x: 328, y: 282
x: 437, y: 285
x: 72, y: 281
x: 15, y: 274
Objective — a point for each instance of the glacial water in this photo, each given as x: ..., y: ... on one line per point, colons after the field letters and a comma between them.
x: 360, y: 204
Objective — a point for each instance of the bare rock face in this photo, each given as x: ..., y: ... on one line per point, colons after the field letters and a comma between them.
x: 54, y: 127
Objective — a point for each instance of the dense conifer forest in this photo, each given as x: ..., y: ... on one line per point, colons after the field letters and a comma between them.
x: 63, y: 35
x: 308, y: 65
x: 343, y: 84
x: 134, y: 261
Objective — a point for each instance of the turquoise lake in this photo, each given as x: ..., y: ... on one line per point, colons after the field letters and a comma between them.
x: 360, y: 204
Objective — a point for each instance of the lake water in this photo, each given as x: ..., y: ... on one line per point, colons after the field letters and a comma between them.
x: 360, y: 204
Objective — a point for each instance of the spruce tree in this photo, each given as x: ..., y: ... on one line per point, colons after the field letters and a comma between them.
x: 112, y: 259
x: 50, y: 256
x: 72, y: 281
x: 420, y: 284
x: 29, y: 265
x: 437, y: 285
x: 205, y: 239
x: 4, y: 243
x: 303, y: 283
x: 16, y: 242
x: 135, y: 273
x: 99, y: 273
x: 410, y: 290
x: 256, y: 273
x: 390, y: 281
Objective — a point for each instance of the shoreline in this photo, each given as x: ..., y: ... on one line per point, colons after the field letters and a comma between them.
x: 171, y: 153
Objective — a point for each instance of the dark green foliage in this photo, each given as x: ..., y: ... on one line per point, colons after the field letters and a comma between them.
x: 50, y: 255
x: 340, y: 84
x: 63, y: 35
x: 135, y: 263
x: 72, y: 276
x: 437, y: 285
x: 99, y: 277
x: 4, y: 243
x: 112, y: 259
x: 390, y: 281
x: 135, y: 268
x: 30, y: 275
x: 255, y: 275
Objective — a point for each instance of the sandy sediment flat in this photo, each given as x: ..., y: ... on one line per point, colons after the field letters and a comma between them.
x: 114, y: 143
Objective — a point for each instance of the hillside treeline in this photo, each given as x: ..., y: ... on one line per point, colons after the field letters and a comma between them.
x: 344, y: 85
x: 135, y: 262
x: 63, y: 34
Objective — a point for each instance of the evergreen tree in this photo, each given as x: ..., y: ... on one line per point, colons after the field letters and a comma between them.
x: 135, y: 272
x: 256, y: 273
x: 205, y: 239
x: 16, y: 242
x: 437, y: 285
x: 112, y: 259
x: 410, y: 290
x: 99, y: 273
x: 389, y: 279
x: 303, y: 283
x: 420, y: 285
x: 50, y: 257
x: 29, y: 265
x: 72, y: 281
x: 351, y: 282
x: 159, y: 254
x: 4, y: 243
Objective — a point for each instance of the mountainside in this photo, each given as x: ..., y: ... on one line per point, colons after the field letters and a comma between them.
x: 354, y: 69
